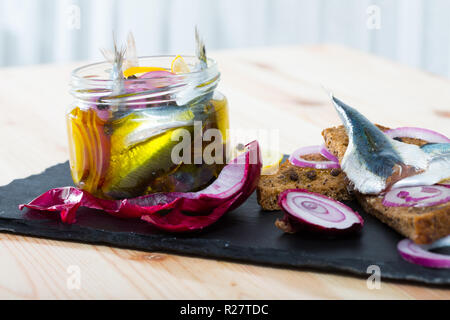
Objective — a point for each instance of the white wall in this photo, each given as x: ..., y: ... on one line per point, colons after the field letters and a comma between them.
x: 415, y: 32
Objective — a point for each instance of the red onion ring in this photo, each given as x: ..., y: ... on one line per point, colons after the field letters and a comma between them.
x: 418, y: 133
x: 327, y: 154
x: 297, y: 160
x: 421, y: 255
x: 308, y: 210
x: 420, y: 196
x: 167, y: 211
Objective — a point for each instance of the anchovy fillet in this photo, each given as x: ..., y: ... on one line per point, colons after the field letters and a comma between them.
x: 132, y: 56
x: 371, y: 156
x: 438, y: 169
x: 192, y: 91
x: 200, y: 50
x: 116, y: 58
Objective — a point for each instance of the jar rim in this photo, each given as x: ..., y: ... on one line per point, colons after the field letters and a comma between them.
x: 75, y: 74
x: 90, y: 83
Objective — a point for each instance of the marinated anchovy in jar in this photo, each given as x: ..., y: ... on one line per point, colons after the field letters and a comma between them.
x: 140, y: 126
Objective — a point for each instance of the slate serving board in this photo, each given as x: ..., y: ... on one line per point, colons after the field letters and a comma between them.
x: 247, y: 234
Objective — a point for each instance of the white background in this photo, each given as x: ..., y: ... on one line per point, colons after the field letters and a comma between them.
x: 413, y: 32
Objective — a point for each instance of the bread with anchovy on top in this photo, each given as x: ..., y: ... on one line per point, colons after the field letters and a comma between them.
x: 422, y: 225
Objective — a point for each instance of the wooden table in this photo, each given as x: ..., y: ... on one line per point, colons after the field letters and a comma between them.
x: 275, y: 88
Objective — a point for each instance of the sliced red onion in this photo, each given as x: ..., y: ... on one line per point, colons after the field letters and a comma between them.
x: 418, y: 133
x: 308, y: 210
x: 420, y: 254
x: 420, y: 196
x: 147, y: 82
x: 297, y: 160
x: 327, y: 154
x: 175, y: 212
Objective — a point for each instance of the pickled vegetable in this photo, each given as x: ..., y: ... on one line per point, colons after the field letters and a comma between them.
x: 89, y: 149
x: 129, y: 154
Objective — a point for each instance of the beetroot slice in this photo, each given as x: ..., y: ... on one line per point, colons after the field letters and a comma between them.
x: 306, y: 210
x: 175, y: 212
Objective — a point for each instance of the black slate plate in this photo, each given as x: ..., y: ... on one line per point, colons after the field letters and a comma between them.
x: 246, y: 234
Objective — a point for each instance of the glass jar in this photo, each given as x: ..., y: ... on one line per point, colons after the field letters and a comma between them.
x: 125, y: 135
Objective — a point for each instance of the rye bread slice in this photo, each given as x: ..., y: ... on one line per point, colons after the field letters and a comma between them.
x: 336, y: 140
x: 422, y: 225
x: 330, y: 182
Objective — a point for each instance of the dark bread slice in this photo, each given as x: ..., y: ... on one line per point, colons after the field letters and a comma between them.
x: 330, y: 182
x: 422, y: 225
x: 336, y: 140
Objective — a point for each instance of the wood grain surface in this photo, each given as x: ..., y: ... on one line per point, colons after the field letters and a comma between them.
x: 271, y: 88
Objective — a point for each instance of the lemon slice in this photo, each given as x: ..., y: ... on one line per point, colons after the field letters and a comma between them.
x: 135, y: 70
x: 271, y: 161
x: 179, y: 65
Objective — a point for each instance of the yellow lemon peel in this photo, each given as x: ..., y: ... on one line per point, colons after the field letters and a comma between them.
x: 135, y: 70
x: 179, y: 65
x: 271, y: 162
